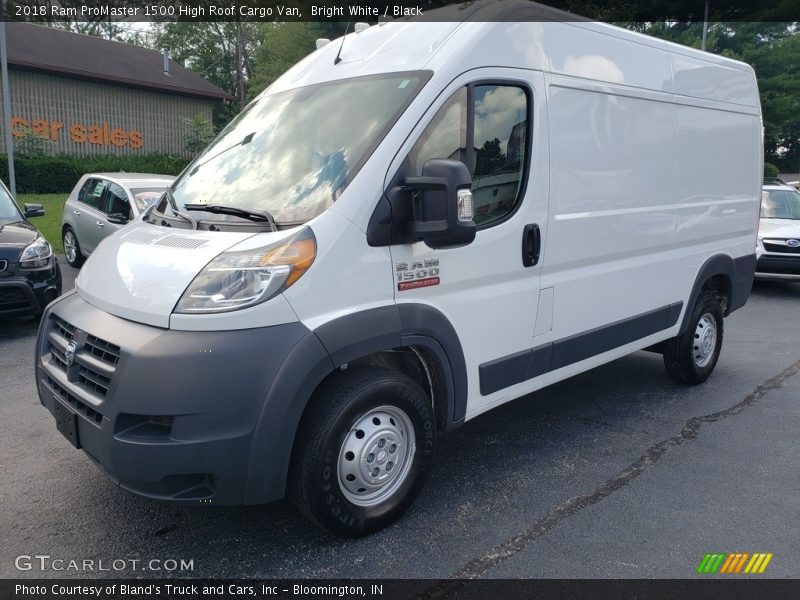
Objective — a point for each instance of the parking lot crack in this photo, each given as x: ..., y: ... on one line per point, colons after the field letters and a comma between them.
x: 481, y: 565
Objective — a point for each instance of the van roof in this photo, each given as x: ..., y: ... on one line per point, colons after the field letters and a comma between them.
x: 542, y: 39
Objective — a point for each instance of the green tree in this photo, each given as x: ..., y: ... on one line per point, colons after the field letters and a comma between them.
x: 209, y: 49
x: 284, y: 44
x: 198, y: 132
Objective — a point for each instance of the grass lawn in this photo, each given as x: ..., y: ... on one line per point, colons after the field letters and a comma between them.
x: 50, y: 223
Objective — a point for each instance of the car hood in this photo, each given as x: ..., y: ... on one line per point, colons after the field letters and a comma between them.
x: 779, y: 229
x: 141, y: 272
x: 14, y: 237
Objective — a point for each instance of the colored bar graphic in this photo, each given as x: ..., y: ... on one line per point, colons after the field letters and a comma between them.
x: 741, y: 562
x: 718, y: 562
x: 734, y: 562
x: 701, y: 567
x: 766, y: 562
x: 727, y: 564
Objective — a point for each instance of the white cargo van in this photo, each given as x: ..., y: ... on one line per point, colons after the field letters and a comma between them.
x: 384, y: 246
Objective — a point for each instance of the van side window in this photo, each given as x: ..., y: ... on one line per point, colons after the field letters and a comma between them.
x: 117, y: 201
x: 92, y: 192
x: 485, y: 127
x: 445, y: 136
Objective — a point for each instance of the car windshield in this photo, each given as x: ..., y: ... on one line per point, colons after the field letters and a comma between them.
x: 8, y: 208
x: 780, y: 204
x: 144, y: 197
x: 292, y: 153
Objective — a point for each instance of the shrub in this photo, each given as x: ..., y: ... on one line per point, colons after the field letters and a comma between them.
x: 770, y: 171
x: 58, y: 174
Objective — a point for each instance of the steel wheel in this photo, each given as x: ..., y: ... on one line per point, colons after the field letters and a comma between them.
x: 705, y: 340
x: 376, y: 456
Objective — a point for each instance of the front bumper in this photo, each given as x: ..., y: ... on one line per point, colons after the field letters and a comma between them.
x: 171, y: 415
x: 778, y: 265
x: 24, y: 293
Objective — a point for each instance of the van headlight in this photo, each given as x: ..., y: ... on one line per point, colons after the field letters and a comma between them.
x: 235, y: 280
x: 36, y: 255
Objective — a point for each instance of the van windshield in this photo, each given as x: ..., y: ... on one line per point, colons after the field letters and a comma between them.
x: 780, y: 204
x: 292, y: 153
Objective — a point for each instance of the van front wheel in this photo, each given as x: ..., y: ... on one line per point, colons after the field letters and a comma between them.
x: 690, y: 358
x: 362, y: 451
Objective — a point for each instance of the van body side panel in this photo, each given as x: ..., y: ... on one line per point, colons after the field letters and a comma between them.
x: 613, y: 252
x: 643, y: 192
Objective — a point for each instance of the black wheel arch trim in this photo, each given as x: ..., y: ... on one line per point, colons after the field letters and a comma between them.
x: 320, y: 352
x: 740, y: 273
x: 400, y: 325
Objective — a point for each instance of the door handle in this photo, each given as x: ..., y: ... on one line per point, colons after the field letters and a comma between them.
x: 77, y: 213
x: 531, y: 245
x: 100, y: 224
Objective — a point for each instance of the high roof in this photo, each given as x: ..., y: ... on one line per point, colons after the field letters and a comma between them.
x: 61, y: 52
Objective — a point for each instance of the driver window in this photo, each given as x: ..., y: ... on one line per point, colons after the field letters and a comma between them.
x: 492, y: 145
x: 117, y: 201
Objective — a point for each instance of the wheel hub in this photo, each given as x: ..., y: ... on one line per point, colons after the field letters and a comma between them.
x: 376, y: 455
x: 705, y: 340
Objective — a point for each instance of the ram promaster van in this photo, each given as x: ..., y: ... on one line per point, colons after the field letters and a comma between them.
x: 384, y: 245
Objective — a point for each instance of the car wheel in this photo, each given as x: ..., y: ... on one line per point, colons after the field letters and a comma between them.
x: 690, y: 358
x: 72, y: 249
x: 363, y: 450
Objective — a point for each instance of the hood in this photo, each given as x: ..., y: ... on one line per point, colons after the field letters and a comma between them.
x: 779, y: 229
x: 141, y: 272
x: 14, y: 237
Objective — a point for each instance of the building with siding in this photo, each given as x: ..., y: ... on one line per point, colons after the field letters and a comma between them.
x: 88, y: 95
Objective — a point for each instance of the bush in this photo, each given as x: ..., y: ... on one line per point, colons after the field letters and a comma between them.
x: 770, y: 171
x: 59, y: 174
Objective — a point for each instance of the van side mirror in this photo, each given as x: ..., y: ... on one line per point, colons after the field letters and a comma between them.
x: 33, y: 210
x: 438, y: 206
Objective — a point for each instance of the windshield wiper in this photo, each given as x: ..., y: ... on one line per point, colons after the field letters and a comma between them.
x: 252, y: 215
x: 172, y: 204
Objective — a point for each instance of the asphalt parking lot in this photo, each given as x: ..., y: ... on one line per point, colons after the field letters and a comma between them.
x: 618, y: 472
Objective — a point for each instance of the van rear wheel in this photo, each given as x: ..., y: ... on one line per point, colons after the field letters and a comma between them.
x: 363, y: 450
x: 690, y: 358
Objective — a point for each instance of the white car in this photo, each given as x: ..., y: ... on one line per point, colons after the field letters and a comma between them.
x: 100, y: 204
x: 388, y: 243
x: 778, y: 249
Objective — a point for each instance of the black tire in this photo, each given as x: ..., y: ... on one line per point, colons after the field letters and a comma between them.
x: 79, y: 258
x: 343, y: 399
x: 680, y: 352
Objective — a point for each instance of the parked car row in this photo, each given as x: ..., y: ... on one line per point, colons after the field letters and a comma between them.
x: 29, y: 274
x: 100, y: 204
x: 778, y: 250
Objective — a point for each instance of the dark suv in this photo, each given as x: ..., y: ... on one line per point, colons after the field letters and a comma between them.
x: 29, y: 274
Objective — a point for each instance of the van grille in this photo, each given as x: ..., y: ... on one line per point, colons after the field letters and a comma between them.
x: 65, y: 329
x: 79, y: 406
x: 95, y: 359
x: 103, y: 350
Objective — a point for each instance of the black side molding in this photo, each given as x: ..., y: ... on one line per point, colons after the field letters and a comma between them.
x: 509, y: 370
